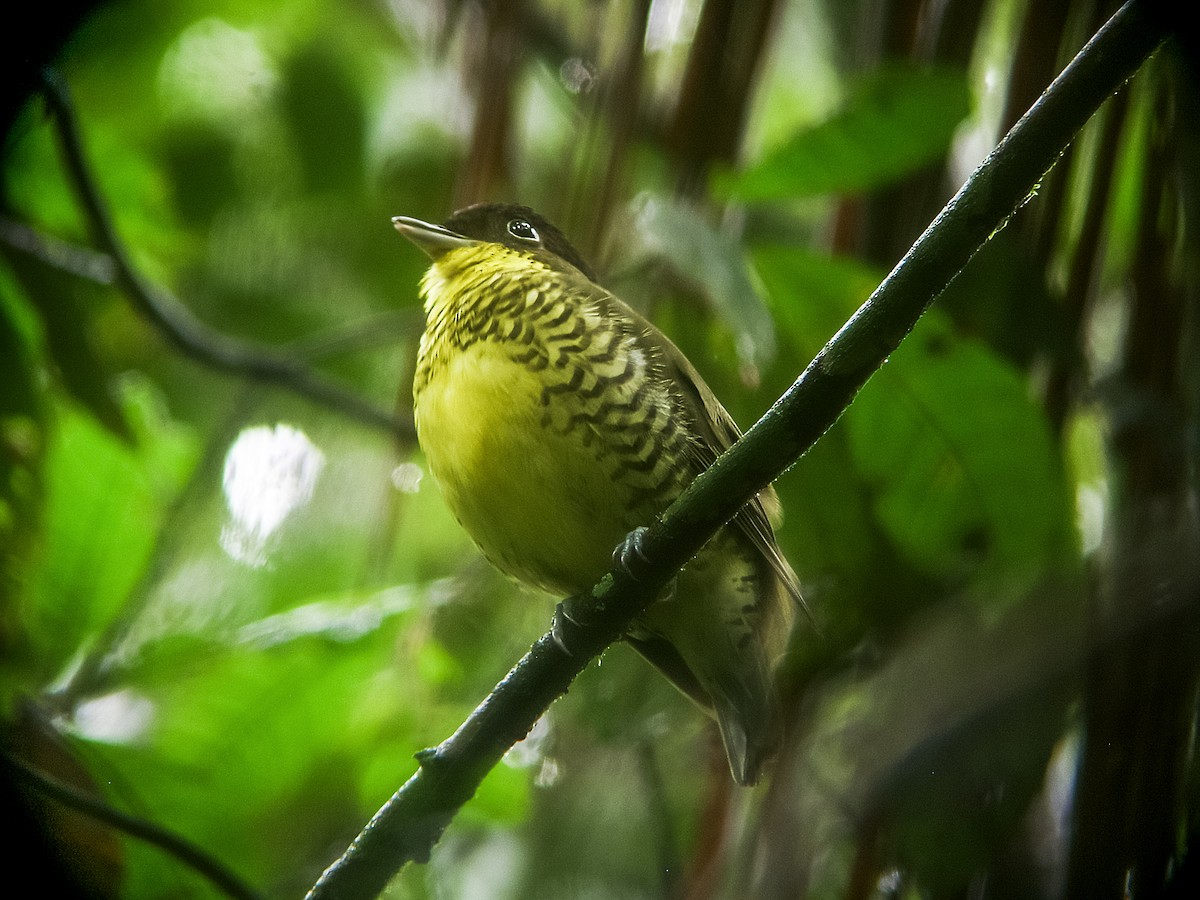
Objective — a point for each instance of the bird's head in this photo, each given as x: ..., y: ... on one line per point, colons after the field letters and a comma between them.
x: 518, y: 228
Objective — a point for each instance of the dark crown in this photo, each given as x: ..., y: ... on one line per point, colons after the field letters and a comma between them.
x: 502, y: 223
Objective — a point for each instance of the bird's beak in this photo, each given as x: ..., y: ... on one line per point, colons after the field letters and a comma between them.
x: 433, y: 239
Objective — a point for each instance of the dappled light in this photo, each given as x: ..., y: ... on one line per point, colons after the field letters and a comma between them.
x: 240, y: 618
x: 268, y: 472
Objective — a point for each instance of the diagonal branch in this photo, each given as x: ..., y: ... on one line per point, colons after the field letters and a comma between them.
x: 188, y: 853
x: 407, y: 826
x: 173, y: 320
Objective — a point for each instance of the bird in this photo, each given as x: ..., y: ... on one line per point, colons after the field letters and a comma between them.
x: 556, y: 420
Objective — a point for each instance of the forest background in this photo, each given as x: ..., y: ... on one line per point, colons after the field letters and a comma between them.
x: 232, y: 605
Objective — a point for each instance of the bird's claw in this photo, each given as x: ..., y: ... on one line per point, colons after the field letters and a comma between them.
x: 631, y: 552
x: 558, y: 627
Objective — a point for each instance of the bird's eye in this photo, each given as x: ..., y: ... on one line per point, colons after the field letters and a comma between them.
x: 523, y: 231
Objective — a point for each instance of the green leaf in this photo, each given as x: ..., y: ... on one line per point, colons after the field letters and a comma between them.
x: 68, y: 308
x: 325, y: 117
x: 238, y: 752
x: 101, y: 517
x: 199, y: 161
x: 811, y: 294
x: 830, y: 532
x: 964, y: 472
x: 104, y: 504
x: 893, y: 122
x: 22, y: 453
x: 958, y: 461
x: 708, y: 261
x: 504, y: 796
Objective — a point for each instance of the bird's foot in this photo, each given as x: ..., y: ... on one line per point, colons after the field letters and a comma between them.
x: 631, y: 553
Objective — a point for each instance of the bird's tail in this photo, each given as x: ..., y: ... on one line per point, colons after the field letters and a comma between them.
x: 748, y: 717
x: 718, y: 639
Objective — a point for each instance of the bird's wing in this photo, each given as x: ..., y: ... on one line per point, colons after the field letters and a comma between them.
x: 716, y: 432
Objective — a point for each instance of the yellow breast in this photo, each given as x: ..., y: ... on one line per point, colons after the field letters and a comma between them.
x: 525, y: 440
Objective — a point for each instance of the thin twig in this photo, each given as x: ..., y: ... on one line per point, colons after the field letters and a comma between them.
x: 408, y: 825
x: 82, y: 262
x: 173, y: 320
x: 185, y: 851
x: 378, y: 330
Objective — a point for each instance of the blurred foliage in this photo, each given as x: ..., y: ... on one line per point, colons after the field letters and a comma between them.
x: 238, y: 612
x: 913, y: 113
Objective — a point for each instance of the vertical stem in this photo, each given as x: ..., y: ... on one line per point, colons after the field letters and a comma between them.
x: 494, y: 72
x: 714, y: 99
x: 1140, y: 690
x: 622, y: 104
x: 1066, y: 371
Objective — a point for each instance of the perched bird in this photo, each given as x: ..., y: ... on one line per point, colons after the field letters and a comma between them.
x: 556, y: 419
